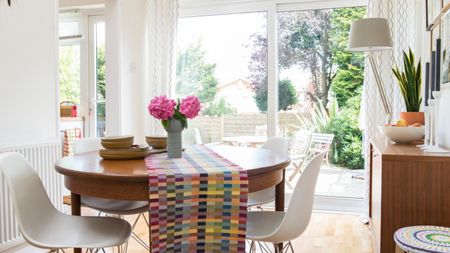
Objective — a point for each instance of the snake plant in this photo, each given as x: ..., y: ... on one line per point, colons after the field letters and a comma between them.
x: 410, y: 82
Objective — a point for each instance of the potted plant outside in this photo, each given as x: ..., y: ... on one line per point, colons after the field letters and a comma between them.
x: 410, y: 83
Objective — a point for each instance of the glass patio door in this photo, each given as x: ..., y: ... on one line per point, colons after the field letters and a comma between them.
x: 97, y: 95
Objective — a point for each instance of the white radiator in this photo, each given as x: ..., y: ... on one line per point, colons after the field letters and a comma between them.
x: 42, y: 156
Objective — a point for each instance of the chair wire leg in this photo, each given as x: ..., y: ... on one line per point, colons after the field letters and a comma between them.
x: 135, y: 236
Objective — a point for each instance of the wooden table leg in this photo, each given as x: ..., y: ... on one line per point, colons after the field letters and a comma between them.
x: 76, y: 210
x: 279, y: 201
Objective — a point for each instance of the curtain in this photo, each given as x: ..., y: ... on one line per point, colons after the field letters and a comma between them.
x: 162, y: 18
x: 403, y: 22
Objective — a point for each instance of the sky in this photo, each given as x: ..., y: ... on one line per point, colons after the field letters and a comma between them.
x: 226, y: 42
x: 224, y: 39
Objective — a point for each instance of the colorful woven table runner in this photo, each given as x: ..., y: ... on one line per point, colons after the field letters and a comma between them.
x: 198, y: 203
x: 423, y: 239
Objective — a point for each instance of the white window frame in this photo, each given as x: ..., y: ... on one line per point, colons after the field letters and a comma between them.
x: 85, y: 64
x: 198, y: 8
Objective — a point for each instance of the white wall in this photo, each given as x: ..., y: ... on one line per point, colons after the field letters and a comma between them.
x: 67, y: 4
x: 28, y: 71
x: 444, y: 118
x: 423, y: 39
x: 126, y: 65
x: 133, y: 67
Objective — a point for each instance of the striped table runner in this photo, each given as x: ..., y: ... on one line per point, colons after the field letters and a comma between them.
x: 198, y: 203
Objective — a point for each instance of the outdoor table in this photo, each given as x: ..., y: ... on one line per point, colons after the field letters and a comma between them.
x: 246, y: 141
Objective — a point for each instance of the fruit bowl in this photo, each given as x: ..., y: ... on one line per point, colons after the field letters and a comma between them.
x: 399, y: 134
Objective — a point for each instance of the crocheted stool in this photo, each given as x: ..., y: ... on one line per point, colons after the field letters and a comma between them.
x: 419, y: 239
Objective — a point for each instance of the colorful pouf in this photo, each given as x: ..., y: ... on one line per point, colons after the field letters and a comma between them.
x: 423, y: 239
x: 198, y: 203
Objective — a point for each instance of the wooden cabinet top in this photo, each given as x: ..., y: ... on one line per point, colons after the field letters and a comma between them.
x: 401, y: 152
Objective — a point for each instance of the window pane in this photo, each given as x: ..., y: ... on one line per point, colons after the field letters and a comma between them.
x: 320, y: 90
x: 216, y: 62
x: 100, y: 77
x: 69, y: 73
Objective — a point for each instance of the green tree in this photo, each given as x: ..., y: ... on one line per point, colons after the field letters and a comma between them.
x: 316, y: 41
x: 286, y: 95
x: 218, y: 108
x: 347, y: 149
x: 194, y: 75
x: 69, y: 73
x: 101, y: 83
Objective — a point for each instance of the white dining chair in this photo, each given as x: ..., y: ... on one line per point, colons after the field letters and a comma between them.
x: 280, y: 227
x: 42, y: 225
x: 113, y: 206
x: 278, y: 145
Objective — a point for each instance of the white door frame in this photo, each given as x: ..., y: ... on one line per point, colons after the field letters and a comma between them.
x: 91, y: 120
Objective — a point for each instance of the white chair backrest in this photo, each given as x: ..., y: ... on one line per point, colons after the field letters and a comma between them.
x: 198, y: 136
x: 32, y: 206
x: 322, y: 140
x: 86, y: 145
x: 299, y: 210
x: 301, y: 142
x: 277, y: 144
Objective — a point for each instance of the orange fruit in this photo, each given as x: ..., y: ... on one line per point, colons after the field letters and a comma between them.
x: 402, y: 123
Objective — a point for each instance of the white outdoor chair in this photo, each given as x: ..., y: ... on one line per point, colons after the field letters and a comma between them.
x: 112, y: 206
x: 301, y: 144
x: 276, y: 144
x: 321, y: 143
x: 278, y: 226
x: 198, y: 136
x: 43, y: 226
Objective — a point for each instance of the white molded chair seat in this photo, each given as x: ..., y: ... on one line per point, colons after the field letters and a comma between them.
x: 259, y: 230
x: 65, y: 231
x: 275, y: 144
x: 277, y: 227
x: 42, y: 225
x: 111, y: 206
x: 261, y: 197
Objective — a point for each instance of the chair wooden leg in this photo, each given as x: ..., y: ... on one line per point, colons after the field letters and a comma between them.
x: 297, y: 170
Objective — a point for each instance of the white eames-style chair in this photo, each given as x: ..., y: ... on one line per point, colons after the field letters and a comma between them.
x: 275, y: 144
x: 112, y: 206
x: 43, y: 226
x: 278, y: 226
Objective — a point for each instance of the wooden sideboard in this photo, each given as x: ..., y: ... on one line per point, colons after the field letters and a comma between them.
x: 407, y: 187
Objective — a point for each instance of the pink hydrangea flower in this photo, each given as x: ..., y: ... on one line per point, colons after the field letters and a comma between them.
x: 190, y: 107
x: 162, y: 107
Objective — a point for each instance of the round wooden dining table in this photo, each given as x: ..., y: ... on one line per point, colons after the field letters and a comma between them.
x: 88, y: 174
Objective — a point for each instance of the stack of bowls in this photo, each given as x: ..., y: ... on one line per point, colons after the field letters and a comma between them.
x: 122, y: 148
x: 118, y: 142
x: 156, y: 142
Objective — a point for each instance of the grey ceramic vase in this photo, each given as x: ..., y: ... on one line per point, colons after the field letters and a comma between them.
x: 174, y: 142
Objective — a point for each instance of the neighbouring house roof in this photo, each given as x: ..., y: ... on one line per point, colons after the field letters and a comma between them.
x: 239, y: 94
x: 240, y: 81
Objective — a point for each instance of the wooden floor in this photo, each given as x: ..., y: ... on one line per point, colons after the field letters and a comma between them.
x: 326, y: 233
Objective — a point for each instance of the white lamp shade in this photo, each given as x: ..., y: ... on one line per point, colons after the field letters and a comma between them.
x: 370, y: 34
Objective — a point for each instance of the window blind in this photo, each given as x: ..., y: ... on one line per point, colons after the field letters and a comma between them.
x: 70, y: 26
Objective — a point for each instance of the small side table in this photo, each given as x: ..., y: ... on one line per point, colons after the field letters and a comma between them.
x: 419, y: 239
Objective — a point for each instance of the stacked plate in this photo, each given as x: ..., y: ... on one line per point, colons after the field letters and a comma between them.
x: 118, y: 142
x: 134, y: 152
x: 122, y: 148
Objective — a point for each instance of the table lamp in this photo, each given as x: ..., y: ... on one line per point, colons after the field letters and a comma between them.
x: 369, y: 35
